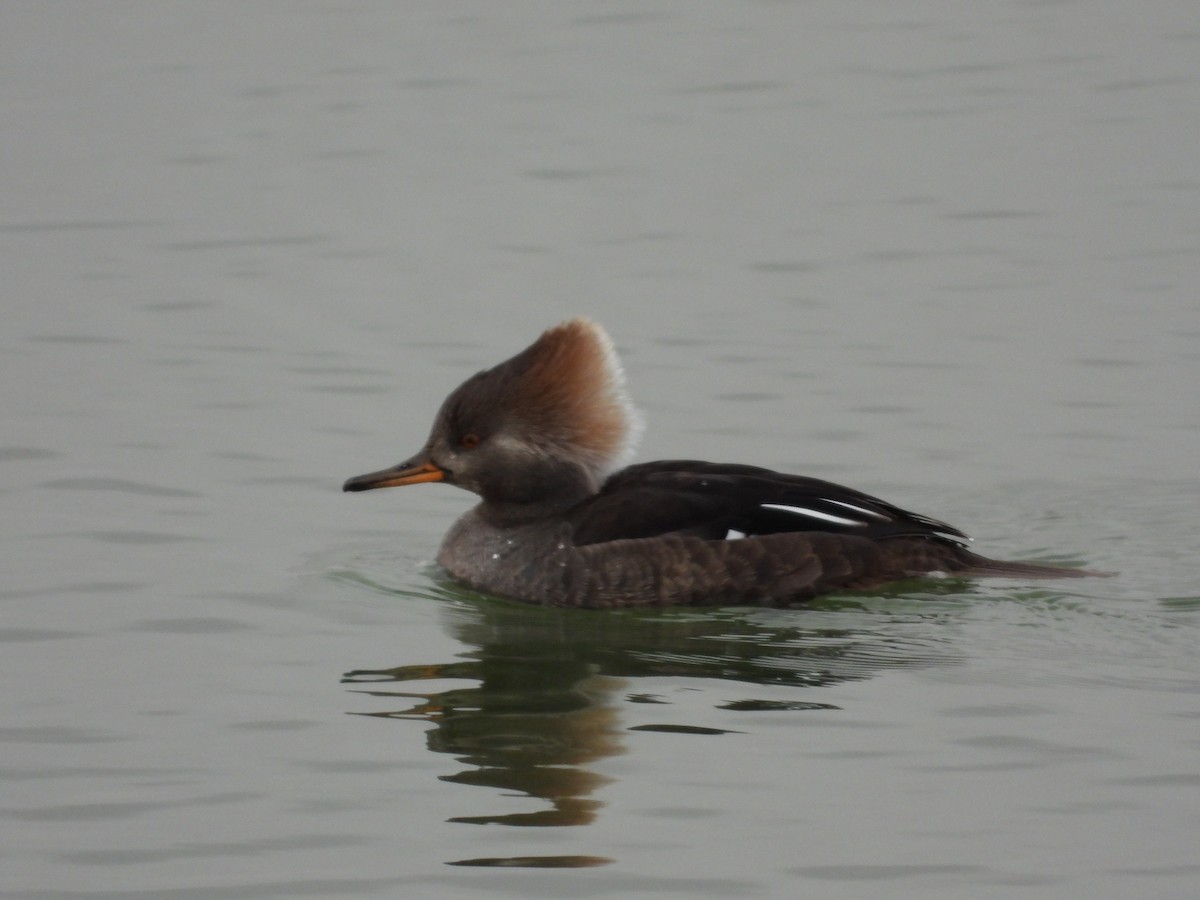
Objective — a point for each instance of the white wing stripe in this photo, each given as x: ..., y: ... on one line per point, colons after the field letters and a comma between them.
x: 734, y: 535
x: 859, y: 509
x: 814, y: 514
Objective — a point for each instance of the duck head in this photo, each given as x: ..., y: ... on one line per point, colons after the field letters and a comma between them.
x: 543, y: 428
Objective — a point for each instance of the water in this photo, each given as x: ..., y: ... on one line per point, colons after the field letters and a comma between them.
x: 946, y: 255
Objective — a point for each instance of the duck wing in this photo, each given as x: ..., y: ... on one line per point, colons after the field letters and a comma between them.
x: 717, y: 501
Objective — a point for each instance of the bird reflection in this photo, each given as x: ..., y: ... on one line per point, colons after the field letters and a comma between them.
x: 549, y: 684
x: 531, y: 727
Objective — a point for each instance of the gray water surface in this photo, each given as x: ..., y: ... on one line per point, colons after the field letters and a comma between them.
x: 944, y: 253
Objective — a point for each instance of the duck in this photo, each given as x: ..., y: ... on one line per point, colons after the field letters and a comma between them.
x: 544, y: 439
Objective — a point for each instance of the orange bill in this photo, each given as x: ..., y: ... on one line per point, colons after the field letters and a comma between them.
x: 414, y: 471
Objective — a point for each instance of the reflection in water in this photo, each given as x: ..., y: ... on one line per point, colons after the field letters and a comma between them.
x: 547, y: 683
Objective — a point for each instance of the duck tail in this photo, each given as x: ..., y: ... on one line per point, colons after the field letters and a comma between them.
x: 973, y: 565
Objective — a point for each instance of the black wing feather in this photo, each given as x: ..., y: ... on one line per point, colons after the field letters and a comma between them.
x: 711, y: 500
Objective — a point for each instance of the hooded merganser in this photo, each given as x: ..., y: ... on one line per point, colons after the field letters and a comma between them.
x: 541, y: 438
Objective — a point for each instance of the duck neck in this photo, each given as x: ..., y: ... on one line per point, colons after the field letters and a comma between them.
x: 527, y: 494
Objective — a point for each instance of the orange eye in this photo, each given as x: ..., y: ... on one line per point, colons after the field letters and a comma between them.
x: 469, y: 441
